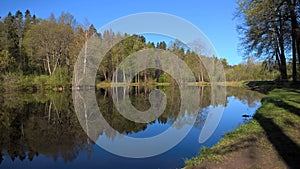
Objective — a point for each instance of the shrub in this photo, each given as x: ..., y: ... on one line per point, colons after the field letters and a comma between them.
x: 41, y: 82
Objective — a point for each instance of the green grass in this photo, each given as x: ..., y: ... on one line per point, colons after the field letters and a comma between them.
x: 111, y: 84
x: 276, y: 125
x: 231, y: 142
x: 205, y: 154
x: 153, y: 83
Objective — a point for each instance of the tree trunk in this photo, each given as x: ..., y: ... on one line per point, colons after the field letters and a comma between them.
x: 85, y: 57
x: 282, y: 67
x: 295, y: 27
x: 295, y: 31
x: 104, y: 74
x: 283, y: 72
x: 48, y: 64
x: 117, y: 72
x: 124, y: 77
x: 202, y: 74
x: 145, y: 76
x: 49, y: 112
x: 45, y: 66
x: 117, y: 94
x: 298, y: 48
x: 294, y: 60
x: 55, y: 66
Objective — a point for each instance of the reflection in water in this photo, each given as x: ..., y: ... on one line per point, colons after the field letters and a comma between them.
x: 42, y: 128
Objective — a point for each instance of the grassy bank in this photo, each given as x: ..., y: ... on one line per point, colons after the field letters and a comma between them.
x: 110, y: 84
x: 31, y: 83
x: 270, y: 140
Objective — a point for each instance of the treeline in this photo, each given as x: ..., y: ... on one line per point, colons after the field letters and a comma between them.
x: 250, y: 70
x: 134, y: 43
x: 38, y: 54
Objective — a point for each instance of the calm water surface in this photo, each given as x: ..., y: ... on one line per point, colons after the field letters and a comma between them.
x: 41, y: 130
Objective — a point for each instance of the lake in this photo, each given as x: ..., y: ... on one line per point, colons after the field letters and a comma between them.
x: 41, y: 130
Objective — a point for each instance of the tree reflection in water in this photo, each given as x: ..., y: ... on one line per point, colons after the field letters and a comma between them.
x: 45, y: 123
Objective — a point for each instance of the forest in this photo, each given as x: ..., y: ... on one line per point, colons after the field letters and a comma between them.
x: 38, y: 54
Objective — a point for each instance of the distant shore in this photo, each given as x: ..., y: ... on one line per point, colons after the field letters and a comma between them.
x: 107, y: 84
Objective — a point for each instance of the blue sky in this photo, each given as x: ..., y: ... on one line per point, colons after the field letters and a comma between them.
x: 213, y: 17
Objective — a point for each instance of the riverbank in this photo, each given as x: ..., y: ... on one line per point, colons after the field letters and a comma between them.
x: 31, y: 83
x: 111, y: 84
x: 270, y: 140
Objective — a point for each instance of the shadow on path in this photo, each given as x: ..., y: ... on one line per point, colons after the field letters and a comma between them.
x: 286, y: 148
x: 266, y: 86
x: 286, y: 106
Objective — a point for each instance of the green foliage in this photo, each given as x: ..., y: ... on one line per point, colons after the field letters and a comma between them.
x: 59, y: 78
x: 48, y: 45
x: 164, y: 78
x: 38, y: 47
x: 269, y: 31
x: 19, y: 81
x: 249, y: 71
x: 6, y: 61
x: 41, y: 82
x: 41, y: 53
x: 10, y: 80
x: 26, y: 83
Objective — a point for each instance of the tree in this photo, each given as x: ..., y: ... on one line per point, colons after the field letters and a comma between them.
x: 13, y: 28
x: 49, y: 43
x: 294, y: 13
x: 265, y: 31
x: 67, y: 19
x: 6, y: 61
x: 18, y: 23
x: 28, y: 20
x: 9, y: 40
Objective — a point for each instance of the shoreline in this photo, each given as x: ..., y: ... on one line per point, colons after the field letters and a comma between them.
x: 68, y: 87
x: 270, y: 140
x: 110, y: 84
